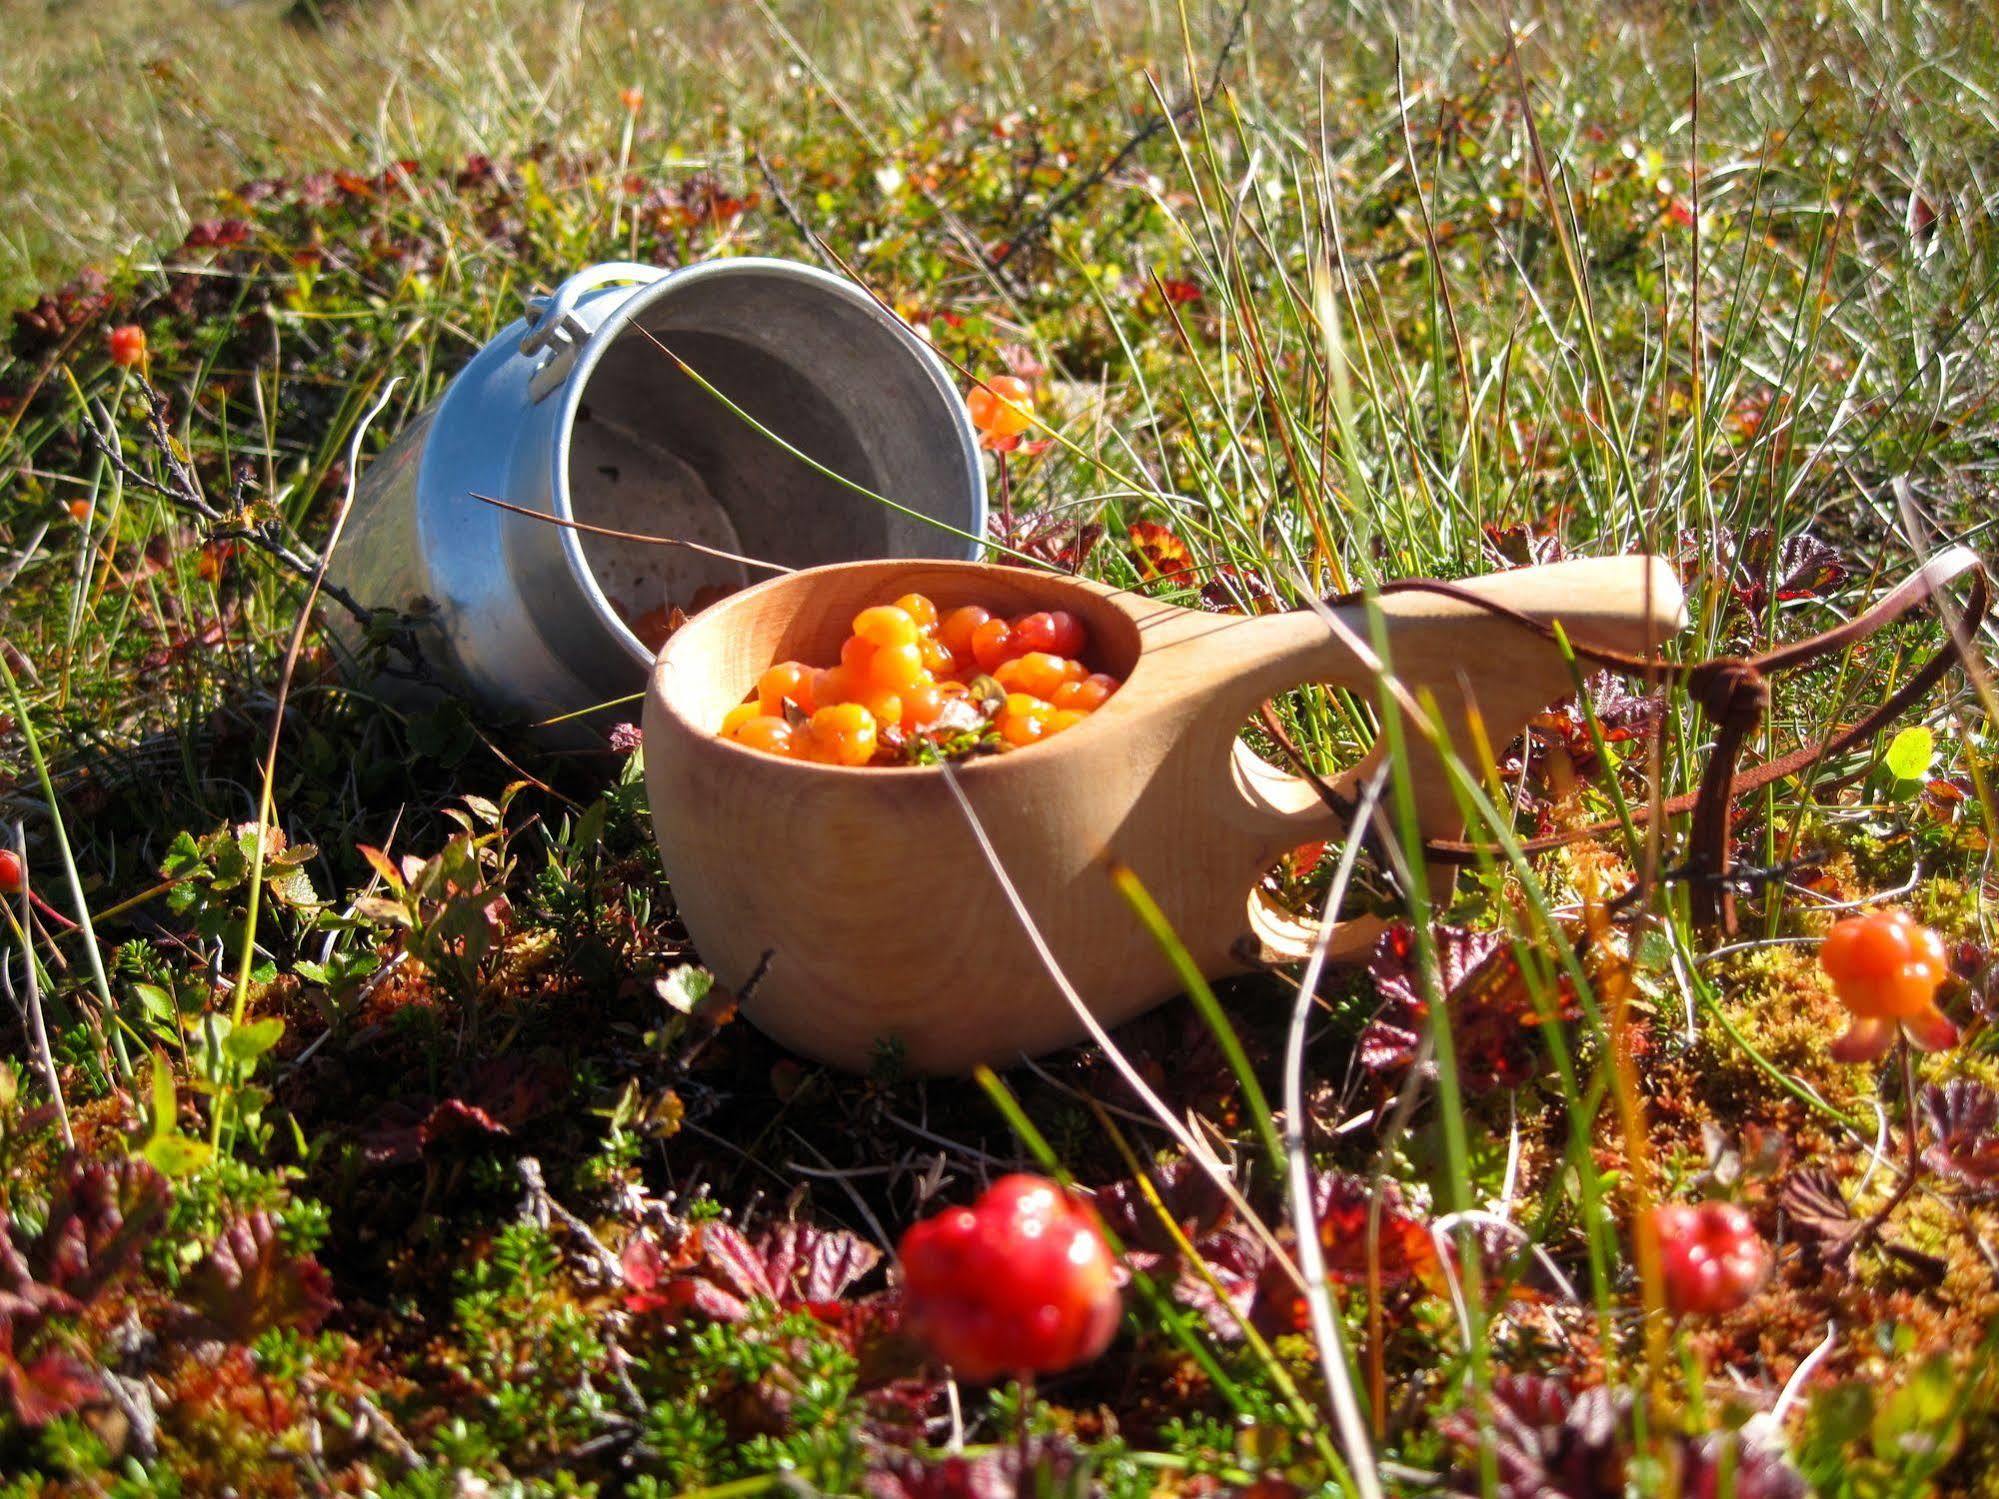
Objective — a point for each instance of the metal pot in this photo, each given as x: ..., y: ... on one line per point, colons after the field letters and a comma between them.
x: 574, y: 412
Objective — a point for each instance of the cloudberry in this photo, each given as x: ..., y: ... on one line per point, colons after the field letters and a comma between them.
x: 774, y: 736
x: 992, y: 643
x: 999, y: 407
x: 788, y: 680
x: 957, y: 627
x: 1087, y: 695
x: 1057, y: 632
x: 128, y: 345
x: 920, y: 609
x: 1712, y: 1256
x: 1020, y: 1282
x: 843, y: 734
x: 886, y: 624
x: 1885, y: 968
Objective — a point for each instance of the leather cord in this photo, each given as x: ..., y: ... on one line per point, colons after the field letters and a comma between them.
x: 1734, y: 694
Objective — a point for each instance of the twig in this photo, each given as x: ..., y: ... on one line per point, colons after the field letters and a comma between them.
x: 38, y: 1028
x: 1197, y: 1149
x: 639, y: 536
x: 790, y: 210
x: 383, y: 1429
x: 538, y: 1206
x: 1311, y: 1254
x: 184, y: 492
x: 265, y: 806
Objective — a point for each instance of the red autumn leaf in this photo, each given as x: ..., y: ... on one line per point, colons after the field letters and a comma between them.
x: 1191, y: 1197
x: 1525, y: 546
x: 1035, y: 1464
x: 1162, y: 555
x: 650, y: 1273
x: 1305, y: 859
x: 1493, y: 1015
x: 1233, y: 591
x: 503, y: 1095
x: 1622, y: 716
x: 24, y: 1299
x: 1020, y: 361
x: 1048, y: 535
x: 719, y: 1271
x: 1179, y: 293
x: 39, y: 1387
x: 1403, y: 1249
x: 248, y: 1283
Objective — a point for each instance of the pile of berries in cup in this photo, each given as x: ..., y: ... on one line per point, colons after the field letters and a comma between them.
x: 913, y: 687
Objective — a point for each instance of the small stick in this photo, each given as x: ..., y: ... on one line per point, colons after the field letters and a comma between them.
x: 657, y: 541
x: 38, y: 1029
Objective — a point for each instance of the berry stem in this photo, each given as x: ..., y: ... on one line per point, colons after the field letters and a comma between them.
x: 1023, y: 1486
x: 1912, y: 1171
x: 1006, y: 497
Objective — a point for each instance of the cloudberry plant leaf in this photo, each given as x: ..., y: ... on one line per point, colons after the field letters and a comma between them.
x: 248, y: 1283
x: 719, y: 1271
x: 1817, y: 1209
x: 1036, y: 1465
x: 1493, y: 1014
x: 1911, y: 753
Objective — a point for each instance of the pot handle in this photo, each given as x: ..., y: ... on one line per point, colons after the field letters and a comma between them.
x: 554, y: 327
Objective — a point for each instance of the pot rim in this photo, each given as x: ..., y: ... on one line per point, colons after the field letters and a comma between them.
x: 614, y: 325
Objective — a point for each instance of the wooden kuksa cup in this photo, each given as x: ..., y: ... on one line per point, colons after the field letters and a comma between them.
x: 884, y: 921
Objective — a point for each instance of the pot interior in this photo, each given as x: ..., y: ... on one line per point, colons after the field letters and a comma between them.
x: 652, y: 452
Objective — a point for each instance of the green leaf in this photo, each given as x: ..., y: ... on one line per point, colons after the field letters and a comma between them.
x: 685, y: 987
x: 165, y: 1103
x: 183, y: 857
x: 251, y: 1040
x: 1916, y: 1421
x: 1911, y: 754
x: 177, y: 1155
x: 156, y: 1002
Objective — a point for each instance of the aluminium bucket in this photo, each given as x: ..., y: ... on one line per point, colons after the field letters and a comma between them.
x: 575, y: 412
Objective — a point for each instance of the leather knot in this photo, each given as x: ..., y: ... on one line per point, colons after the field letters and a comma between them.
x: 1732, y: 692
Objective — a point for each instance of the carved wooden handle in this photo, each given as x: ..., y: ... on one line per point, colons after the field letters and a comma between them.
x: 1487, y: 676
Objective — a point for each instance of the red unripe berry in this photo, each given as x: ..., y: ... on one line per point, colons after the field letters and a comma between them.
x: 1055, y: 631
x: 1712, y: 1257
x: 128, y: 344
x: 10, y: 872
x: 1020, y: 1282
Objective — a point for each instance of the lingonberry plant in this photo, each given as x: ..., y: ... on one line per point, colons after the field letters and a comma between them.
x: 1021, y: 1282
